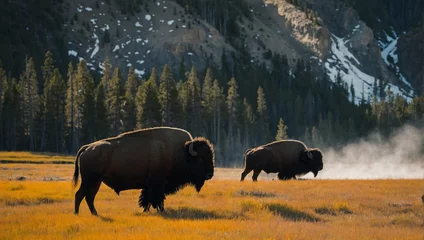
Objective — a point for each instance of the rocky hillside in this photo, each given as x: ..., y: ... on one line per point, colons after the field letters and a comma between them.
x: 330, y: 35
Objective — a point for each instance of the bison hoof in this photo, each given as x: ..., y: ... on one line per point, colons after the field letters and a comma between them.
x: 76, y: 213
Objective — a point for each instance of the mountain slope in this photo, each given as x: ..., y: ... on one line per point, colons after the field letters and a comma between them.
x: 328, y: 35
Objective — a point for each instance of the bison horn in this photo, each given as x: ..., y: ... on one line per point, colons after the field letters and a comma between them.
x: 310, y: 155
x: 191, y: 150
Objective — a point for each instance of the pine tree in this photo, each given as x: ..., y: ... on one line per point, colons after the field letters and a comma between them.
x: 12, y: 118
x: 181, y: 72
x: 248, y: 121
x: 102, y: 121
x: 47, y: 70
x: 281, y: 131
x: 72, y: 111
x: 148, y: 106
x: 130, y: 108
x: 193, y: 102
x: 182, y: 99
x: 107, y: 74
x: 218, y: 103
x: 55, y: 93
x: 114, y: 103
x: 85, y: 86
x: 207, y: 100
x: 168, y: 97
x: 262, y: 110
x: 352, y: 91
x: 233, y: 109
x: 30, y: 98
x: 48, y: 67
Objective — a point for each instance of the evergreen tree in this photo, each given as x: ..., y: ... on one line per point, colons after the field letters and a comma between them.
x: 233, y: 109
x: 352, y: 91
x: 30, y: 104
x: 207, y: 100
x: 47, y: 70
x: 248, y: 121
x: 48, y: 67
x: 281, y: 131
x: 12, y: 116
x: 55, y: 93
x: 182, y: 99
x: 262, y: 110
x: 168, y: 98
x: 182, y: 69
x: 107, y: 74
x: 102, y: 121
x: 130, y: 108
x: 218, y: 102
x: 148, y: 106
x: 72, y: 111
x: 193, y: 102
x: 114, y: 103
x: 85, y: 86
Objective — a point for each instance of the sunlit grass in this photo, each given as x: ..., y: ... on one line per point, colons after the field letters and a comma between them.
x: 224, y: 209
x: 29, y: 157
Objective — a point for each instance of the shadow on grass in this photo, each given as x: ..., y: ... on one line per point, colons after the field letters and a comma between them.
x: 256, y: 193
x: 30, y: 202
x: 325, y: 211
x: 105, y: 219
x: 196, y: 214
x: 289, y: 213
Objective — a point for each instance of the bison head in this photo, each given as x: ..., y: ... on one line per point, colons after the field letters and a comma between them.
x: 313, y: 159
x: 201, y: 161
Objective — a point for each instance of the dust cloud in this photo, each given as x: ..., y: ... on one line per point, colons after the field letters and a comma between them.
x: 401, y: 156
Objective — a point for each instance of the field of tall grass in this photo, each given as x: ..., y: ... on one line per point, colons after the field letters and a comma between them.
x: 42, y: 208
x: 36, y: 158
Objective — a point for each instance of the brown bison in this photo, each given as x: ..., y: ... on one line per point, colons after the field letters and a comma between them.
x: 159, y: 160
x: 288, y: 158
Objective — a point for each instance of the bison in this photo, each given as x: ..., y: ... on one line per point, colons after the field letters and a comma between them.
x: 288, y: 158
x: 159, y: 160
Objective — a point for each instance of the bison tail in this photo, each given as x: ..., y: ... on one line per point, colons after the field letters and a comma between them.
x: 244, y: 156
x: 76, y: 172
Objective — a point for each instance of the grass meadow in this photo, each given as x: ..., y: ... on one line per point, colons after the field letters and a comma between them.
x: 36, y: 202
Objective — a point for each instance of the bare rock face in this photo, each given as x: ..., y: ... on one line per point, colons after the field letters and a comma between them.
x: 411, y: 57
x: 304, y: 30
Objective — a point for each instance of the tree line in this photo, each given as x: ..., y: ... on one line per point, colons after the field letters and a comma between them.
x: 51, y: 112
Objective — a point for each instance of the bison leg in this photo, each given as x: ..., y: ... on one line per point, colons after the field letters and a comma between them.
x: 91, y: 194
x: 143, y: 200
x: 256, y: 174
x: 244, y: 174
x: 285, y: 176
x: 155, y: 190
x: 79, y: 196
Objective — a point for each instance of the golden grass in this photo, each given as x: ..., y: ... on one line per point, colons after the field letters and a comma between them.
x: 29, y: 157
x: 224, y: 209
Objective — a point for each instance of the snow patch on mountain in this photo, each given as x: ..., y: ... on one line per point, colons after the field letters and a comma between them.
x: 388, y: 53
x: 343, y: 64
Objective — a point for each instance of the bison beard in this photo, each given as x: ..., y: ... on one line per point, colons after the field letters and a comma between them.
x: 156, y: 200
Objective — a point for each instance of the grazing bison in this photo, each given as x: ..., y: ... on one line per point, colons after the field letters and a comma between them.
x: 160, y: 161
x: 288, y: 158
